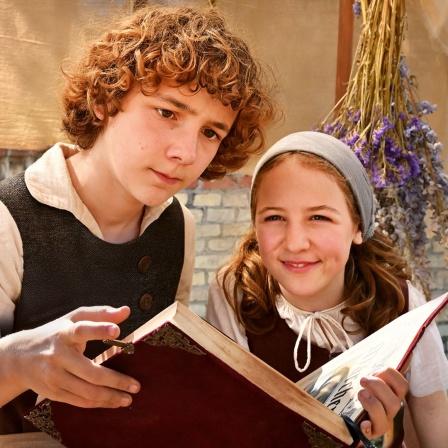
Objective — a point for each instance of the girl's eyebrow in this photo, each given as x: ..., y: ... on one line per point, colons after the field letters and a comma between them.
x: 310, y: 209
x: 324, y: 207
x: 185, y: 107
x: 270, y: 209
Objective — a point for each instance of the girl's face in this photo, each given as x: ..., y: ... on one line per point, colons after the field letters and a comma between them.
x: 305, y: 231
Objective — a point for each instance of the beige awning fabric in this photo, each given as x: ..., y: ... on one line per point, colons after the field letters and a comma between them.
x: 298, y: 38
x: 435, y: 17
x: 35, y: 36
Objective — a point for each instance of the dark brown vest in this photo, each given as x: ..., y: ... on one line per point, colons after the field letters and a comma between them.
x: 66, y: 266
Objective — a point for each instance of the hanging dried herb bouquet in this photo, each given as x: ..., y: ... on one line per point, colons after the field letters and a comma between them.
x: 381, y: 119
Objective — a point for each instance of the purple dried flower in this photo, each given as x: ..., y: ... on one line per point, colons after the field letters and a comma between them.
x: 425, y: 108
x: 357, y: 8
x: 403, y: 68
x: 351, y: 141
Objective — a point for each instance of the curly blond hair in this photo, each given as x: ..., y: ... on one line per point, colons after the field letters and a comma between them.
x: 187, y: 45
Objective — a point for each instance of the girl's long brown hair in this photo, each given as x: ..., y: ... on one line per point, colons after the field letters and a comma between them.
x: 373, y: 272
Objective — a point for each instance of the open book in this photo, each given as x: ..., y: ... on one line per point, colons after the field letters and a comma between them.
x: 200, y: 389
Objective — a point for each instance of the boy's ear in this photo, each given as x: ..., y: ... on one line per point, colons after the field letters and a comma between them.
x: 99, y: 111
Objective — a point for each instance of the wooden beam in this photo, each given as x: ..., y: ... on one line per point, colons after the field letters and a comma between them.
x: 345, y: 47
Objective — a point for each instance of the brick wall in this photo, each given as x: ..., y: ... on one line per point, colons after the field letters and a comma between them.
x: 13, y: 161
x: 221, y: 210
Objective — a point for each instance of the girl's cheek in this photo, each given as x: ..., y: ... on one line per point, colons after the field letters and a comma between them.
x: 268, y: 240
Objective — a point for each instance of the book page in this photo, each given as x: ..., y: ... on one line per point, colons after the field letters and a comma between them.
x: 336, y: 384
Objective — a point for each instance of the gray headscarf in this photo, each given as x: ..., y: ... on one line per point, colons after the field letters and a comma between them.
x: 342, y: 158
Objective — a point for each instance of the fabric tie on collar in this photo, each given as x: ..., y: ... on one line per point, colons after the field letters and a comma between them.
x: 327, y: 324
x: 342, y: 158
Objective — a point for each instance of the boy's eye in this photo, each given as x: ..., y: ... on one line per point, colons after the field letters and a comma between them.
x: 209, y: 133
x: 165, y: 113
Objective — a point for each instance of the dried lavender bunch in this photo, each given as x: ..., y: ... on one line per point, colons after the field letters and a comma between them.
x: 381, y: 119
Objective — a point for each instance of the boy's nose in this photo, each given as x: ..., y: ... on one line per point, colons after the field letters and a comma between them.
x: 184, y: 148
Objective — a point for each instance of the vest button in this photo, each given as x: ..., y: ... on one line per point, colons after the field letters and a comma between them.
x: 144, y: 264
x: 145, y: 302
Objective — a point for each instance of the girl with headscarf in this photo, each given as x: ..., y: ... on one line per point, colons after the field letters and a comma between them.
x: 314, y: 276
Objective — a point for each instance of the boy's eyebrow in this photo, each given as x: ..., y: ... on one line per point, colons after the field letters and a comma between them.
x: 185, y: 107
x: 174, y: 102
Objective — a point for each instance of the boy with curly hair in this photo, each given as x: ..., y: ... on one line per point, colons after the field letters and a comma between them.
x: 93, y: 241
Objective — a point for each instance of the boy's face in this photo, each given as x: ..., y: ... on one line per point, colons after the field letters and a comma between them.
x: 159, y: 144
x: 305, y: 232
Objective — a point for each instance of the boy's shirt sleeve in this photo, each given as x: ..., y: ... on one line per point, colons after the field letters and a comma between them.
x: 186, y: 277
x: 11, y: 268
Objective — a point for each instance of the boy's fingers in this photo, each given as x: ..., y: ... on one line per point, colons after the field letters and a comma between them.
x: 100, y: 314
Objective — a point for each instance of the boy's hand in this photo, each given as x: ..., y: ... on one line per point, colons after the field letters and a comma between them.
x: 49, y: 360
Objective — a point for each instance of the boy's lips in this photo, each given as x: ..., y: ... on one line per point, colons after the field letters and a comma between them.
x: 170, y: 180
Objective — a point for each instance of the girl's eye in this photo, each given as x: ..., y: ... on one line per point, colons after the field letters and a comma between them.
x: 210, y: 133
x: 165, y: 113
x: 273, y: 218
x: 319, y: 218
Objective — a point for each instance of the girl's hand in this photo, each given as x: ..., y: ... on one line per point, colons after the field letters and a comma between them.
x: 381, y: 397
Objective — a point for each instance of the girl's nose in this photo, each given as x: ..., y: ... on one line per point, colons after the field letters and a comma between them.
x: 296, y: 238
